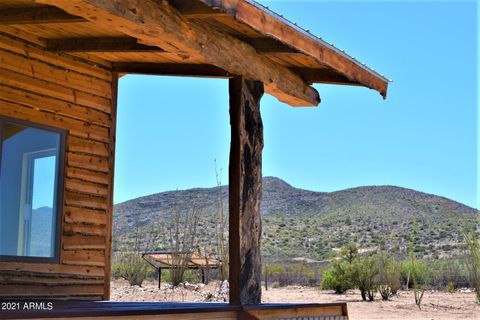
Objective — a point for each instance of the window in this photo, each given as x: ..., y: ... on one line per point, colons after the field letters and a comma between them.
x: 31, y: 181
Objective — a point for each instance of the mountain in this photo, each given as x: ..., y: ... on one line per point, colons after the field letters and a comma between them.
x: 41, y: 234
x: 314, y: 225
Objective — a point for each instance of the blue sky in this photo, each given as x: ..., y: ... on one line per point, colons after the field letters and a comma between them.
x: 424, y: 136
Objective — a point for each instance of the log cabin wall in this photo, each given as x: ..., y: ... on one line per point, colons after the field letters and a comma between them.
x: 74, y: 94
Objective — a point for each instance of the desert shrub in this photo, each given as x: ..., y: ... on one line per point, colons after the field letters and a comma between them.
x: 388, y: 276
x: 290, y: 274
x: 338, y: 277
x: 349, y: 252
x: 221, y: 228
x: 452, y: 272
x: 191, y: 276
x: 450, y: 287
x: 182, y: 239
x: 417, y: 269
x: 364, y: 276
x: 420, y: 269
x: 472, y: 239
x: 131, y: 267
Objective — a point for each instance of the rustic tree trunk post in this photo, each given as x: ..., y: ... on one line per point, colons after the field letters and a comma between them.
x: 202, y: 271
x: 266, y: 278
x: 159, y: 278
x: 245, y: 190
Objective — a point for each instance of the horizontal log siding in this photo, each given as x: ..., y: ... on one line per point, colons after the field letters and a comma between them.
x: 69, y: 93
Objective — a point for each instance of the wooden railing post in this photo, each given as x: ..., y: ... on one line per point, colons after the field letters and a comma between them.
x: 245, y: 190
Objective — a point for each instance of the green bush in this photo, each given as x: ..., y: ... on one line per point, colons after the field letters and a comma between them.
x: 131, y: 267
x: 422, y: 272
x: 191, y: 276
x: 365, y: 276
x: 389, y: 276
x: 472, y: 239
x: 349, y: 252
x: 289, y: 274
x: 338, y: 277
x: 450, y: 287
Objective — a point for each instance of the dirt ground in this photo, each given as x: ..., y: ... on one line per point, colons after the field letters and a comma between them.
x: 435, y: 305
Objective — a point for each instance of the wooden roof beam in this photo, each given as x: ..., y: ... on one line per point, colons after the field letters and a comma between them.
x: 158, y: 23
x: 196, y: 10
x: 171, y: 69
x: 265, y: 22
x: 325, y: 76
x: 269, y: 46
x: 110, y: 44
x: 36, y: 15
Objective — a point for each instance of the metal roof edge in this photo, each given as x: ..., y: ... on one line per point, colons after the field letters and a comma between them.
x: 307, y: 33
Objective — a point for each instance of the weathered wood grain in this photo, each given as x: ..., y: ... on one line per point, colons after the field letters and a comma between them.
x: 158, y: 24
x: 84, y: 258
x: 64, y: 108
x: 107, y: 44
x: 26, y: 279
x: 88, y: 175
x: 85, y: 216
x: 72, y: 229
x: 245, y: 190
x: 82, y: 186
x: 81, y: 200
x: 90, y: 162
x: 33, y: 15
x: 109, y: 211
x: 37, y: 115
x: 254, y: 17
x: 40, y: 70
x: 63, y: 92
x: 52, y: 270
x: 54, y: 90
x: 10, y: 40
x: 87, y: 146
x: 83, y: 242
x: 37, y: 291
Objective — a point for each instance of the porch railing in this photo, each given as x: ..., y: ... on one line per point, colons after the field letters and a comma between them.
x: 177, y: 311
x: 330, y: 311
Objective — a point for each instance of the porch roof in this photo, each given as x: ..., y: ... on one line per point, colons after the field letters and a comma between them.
x: 207, y: 38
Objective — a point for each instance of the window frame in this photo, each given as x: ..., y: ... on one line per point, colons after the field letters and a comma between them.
x: 59, y: 190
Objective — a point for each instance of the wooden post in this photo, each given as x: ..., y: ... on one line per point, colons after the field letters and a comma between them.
x: 245, y: 191
x: 203, y: 275
x: 159, y: 278
x: 266, y: 277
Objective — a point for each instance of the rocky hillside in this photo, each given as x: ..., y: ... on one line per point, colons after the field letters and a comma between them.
x: 302, y: 223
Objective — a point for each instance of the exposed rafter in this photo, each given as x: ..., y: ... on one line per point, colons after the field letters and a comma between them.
x: 267, y: 46
x: 196, y: 10
x: 170, y: 69
x: 129, y: 44
x: 111, y: 44
x: 159, y: 24
x: 35, y: 15
x: 325, y: 75
x: 260, y: 19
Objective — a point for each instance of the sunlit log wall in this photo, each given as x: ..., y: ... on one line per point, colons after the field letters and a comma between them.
x: 74, y: 94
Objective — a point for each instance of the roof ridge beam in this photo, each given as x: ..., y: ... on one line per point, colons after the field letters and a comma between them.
x: 158, y: 24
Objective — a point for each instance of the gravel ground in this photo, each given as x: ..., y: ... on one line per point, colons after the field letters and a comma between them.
x: 436, y: 305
